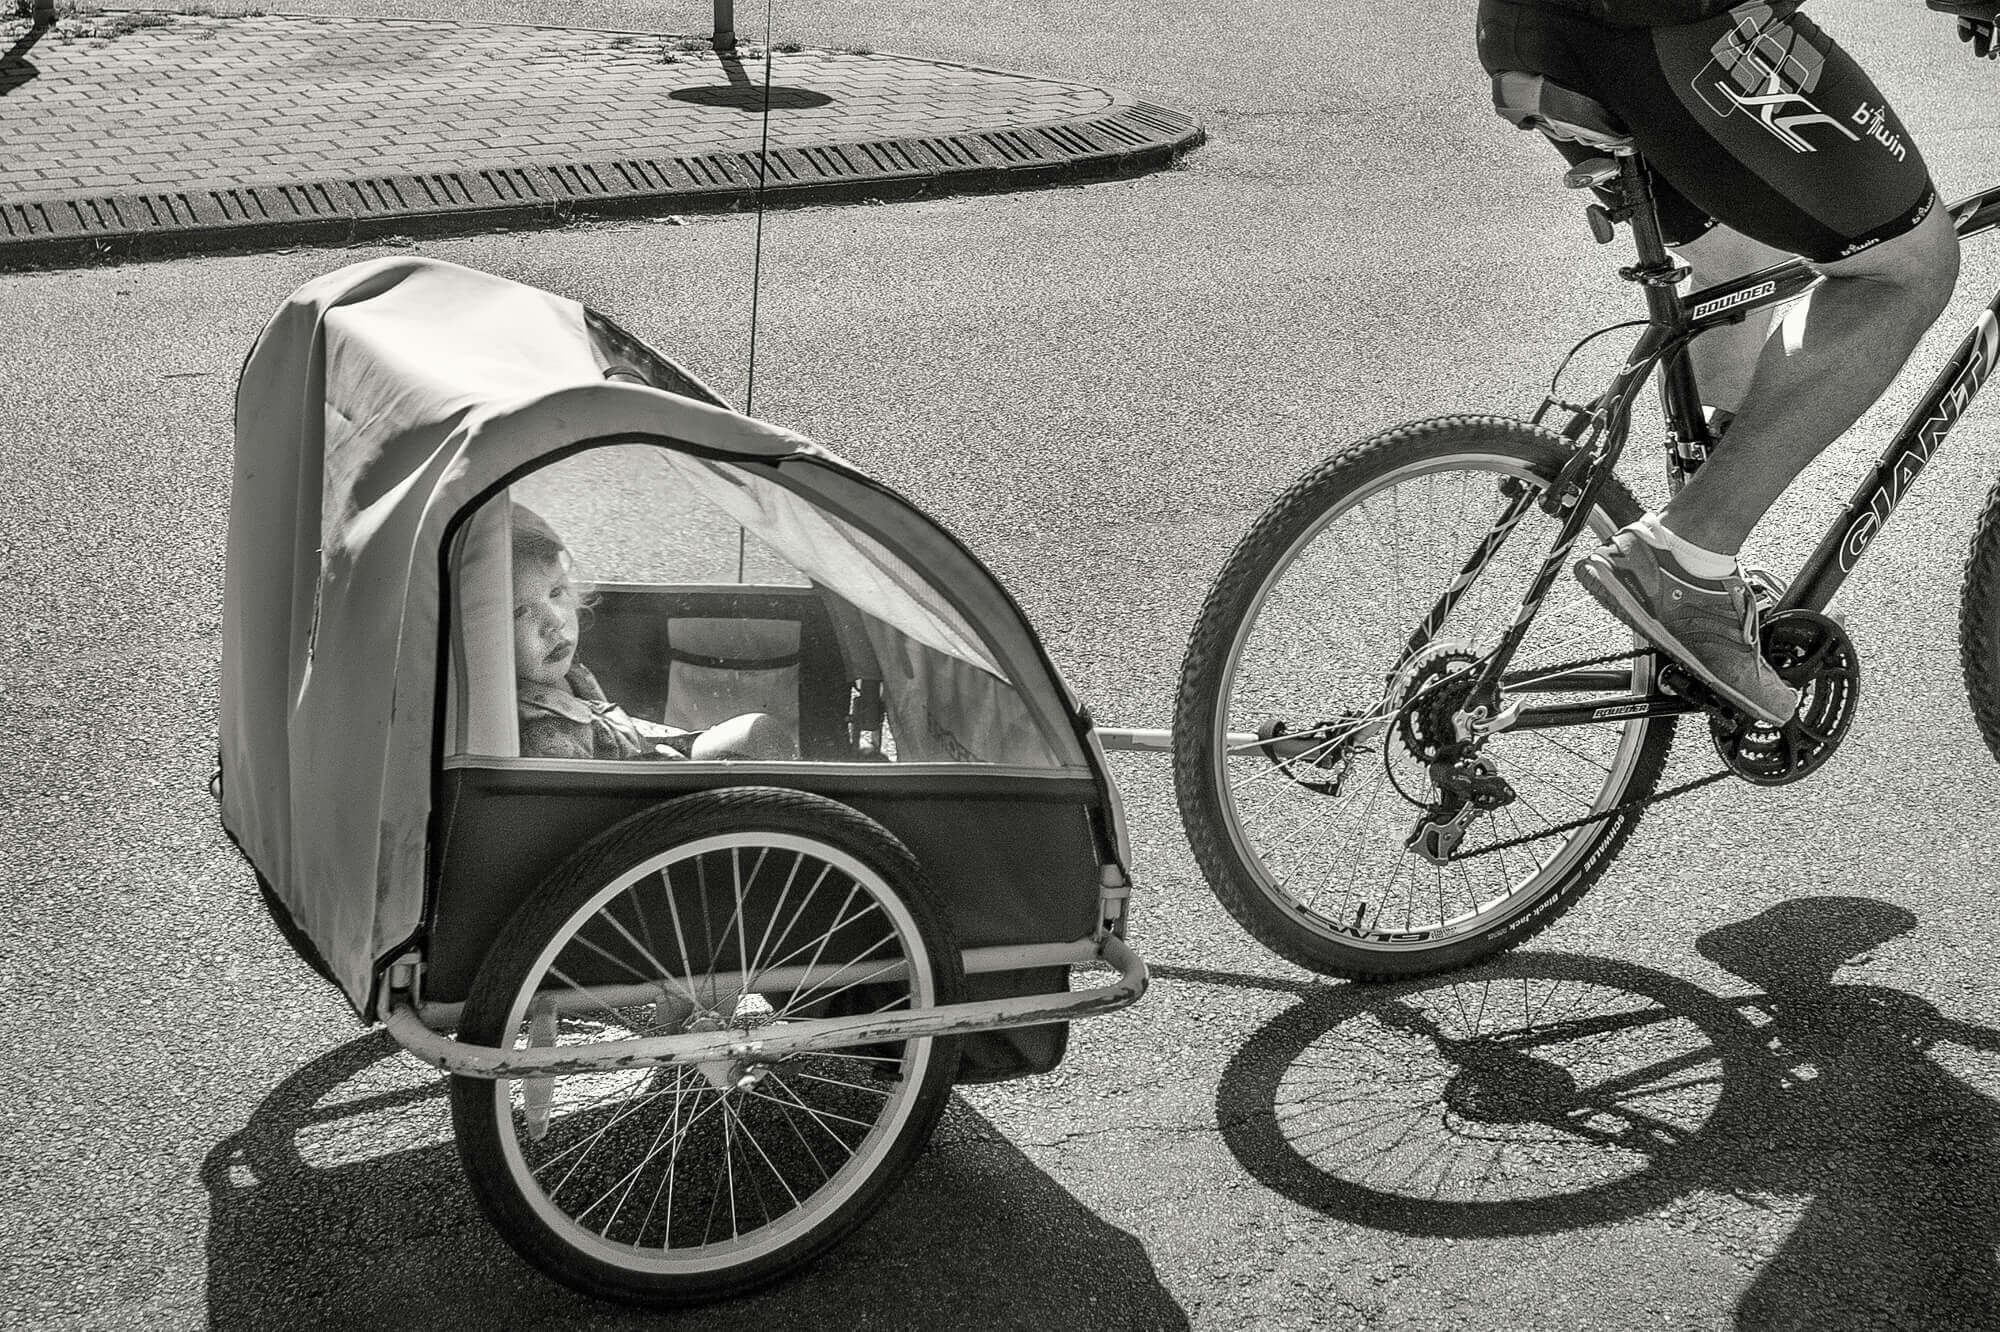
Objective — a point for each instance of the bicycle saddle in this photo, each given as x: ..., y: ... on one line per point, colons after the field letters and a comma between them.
x: 1534, y: 101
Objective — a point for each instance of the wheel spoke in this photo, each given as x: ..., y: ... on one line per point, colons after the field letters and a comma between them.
x: 1306, y: 618
x: 681, y: 1175
x: 749, y: 1135
x: 778, y: 913
x: 840, y: 1082
x: 820, y: 1117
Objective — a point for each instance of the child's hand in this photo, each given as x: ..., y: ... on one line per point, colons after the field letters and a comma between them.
x: 753, y: 735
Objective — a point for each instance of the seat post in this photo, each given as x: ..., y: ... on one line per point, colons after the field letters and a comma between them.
x: 1656, y: 271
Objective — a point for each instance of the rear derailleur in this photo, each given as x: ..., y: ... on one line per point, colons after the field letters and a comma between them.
x: 1468, y: 785
x: 1440, y: 727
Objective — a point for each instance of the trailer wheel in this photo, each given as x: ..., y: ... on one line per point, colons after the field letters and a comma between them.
x: 740, y: 911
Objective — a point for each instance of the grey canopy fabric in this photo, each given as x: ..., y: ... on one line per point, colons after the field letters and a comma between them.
x: 380, y: 404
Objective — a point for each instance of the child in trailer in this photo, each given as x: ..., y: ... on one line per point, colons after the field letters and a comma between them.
x: 563, y: 710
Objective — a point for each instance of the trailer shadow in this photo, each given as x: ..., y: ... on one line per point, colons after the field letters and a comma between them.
x: 342, y: 1203
x: 1547, y: 1092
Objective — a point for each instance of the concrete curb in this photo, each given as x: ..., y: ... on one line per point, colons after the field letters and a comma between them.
x: 1130, y: 138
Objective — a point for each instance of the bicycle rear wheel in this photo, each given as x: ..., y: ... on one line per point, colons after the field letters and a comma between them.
x: 1306, y: 632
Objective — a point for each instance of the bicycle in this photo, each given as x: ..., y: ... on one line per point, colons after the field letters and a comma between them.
x: 1368, y: 650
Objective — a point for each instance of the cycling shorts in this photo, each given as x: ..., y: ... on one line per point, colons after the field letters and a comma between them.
x: 1753, y: 118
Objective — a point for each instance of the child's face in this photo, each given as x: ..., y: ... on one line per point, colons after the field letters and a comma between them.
x: 544, y: 622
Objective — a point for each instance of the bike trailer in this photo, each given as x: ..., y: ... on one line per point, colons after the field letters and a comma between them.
x: 701, y: 1007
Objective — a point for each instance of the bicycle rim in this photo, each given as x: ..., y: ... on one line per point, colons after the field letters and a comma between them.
x: 1325, y: 635
x: 678, y: 1171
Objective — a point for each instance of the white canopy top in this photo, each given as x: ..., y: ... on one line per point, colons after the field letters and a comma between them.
x: 382, y: 403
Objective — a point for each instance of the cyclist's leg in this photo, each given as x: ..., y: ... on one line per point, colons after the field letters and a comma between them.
x: 1835, y: 358
x: 1726, y: 357
x: 1761, y: 122
x: 1766, y: 124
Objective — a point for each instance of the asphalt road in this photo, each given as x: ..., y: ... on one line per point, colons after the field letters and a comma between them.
x: 1097, y: 387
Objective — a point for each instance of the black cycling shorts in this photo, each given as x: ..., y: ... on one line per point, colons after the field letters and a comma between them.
x: 1753, y: 118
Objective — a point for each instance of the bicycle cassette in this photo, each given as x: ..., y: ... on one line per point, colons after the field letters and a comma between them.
x: 1428, y: 693
x: 1812, y: 653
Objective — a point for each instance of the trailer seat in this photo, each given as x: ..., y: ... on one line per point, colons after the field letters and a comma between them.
x: 685, y: 655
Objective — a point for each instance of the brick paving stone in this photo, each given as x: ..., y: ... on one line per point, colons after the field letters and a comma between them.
x: 287, y: 73
x: 207, y: 102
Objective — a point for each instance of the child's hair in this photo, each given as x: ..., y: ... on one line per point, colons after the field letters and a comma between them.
x: 535, y: 540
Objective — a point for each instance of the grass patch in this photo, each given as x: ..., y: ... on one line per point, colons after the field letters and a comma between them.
x: 678, y: 50
x: 25, y: 9
x: 78, y: 19
x: 96, y: 25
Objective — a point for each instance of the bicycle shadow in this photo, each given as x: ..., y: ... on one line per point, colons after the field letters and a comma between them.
x: 342, y: 1203
x: 1538, y: 1092
x: 1899, y: 1157
x: 1548, y: 1092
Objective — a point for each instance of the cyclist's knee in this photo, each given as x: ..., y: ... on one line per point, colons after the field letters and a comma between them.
x: 1921, y: 264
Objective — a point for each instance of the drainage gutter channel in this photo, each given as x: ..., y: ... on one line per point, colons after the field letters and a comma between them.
x: 157, y: 223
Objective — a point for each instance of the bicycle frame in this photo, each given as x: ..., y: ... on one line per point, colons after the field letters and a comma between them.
x: 1674, y: 321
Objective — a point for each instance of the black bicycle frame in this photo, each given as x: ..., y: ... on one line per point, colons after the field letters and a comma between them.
x: 1674, y: 322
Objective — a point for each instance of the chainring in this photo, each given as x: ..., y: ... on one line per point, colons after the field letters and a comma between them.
x: 1812, y: 653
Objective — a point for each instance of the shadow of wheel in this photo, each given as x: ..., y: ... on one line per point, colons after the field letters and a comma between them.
x: 341, y: 1203
x: 1541, y: 1092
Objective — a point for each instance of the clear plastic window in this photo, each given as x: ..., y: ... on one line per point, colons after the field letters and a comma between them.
x: 636, y: 604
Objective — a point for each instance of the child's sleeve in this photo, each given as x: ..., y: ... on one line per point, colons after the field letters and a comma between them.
x: 546, y: 736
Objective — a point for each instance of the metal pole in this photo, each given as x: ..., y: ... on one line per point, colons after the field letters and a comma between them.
x: 725, y: 26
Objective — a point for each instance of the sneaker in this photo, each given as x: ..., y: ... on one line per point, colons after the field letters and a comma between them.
x: 1709, y: 625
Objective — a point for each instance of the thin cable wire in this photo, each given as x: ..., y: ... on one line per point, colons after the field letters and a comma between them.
x: 757, y: 252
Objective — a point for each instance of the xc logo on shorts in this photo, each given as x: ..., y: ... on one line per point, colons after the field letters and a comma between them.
x: 1765, y: 67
